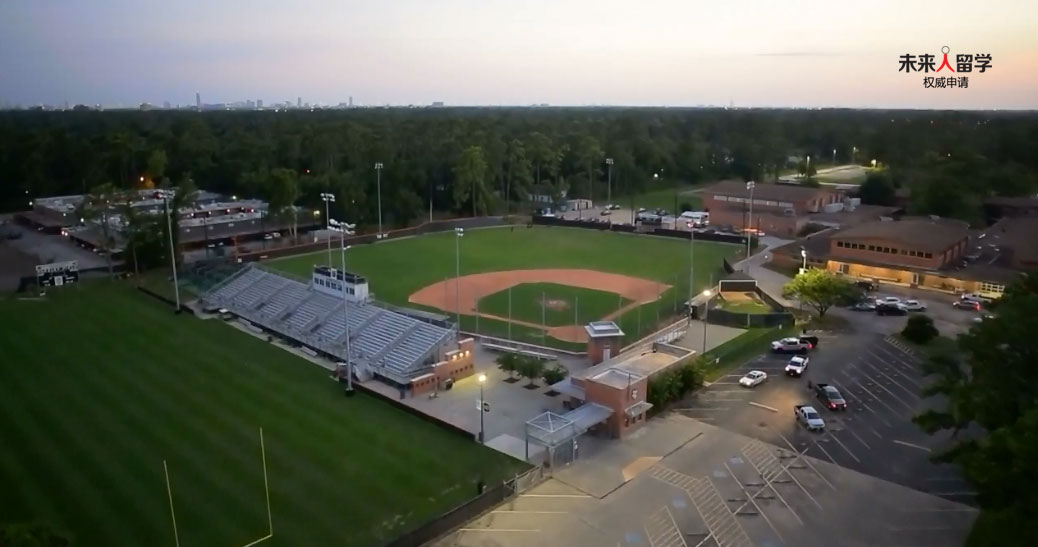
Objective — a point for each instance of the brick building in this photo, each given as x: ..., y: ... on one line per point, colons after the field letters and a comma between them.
x: 930, y: 253
x: 779, y: 209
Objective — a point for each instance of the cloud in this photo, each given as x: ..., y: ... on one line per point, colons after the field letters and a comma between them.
x: 804, y: 54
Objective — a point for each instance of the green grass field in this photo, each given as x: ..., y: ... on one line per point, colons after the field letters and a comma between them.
x: 663, y: 199
x: 101, y: 383
x: 744, y: 305
x: 566, y: 305
x: 397, y: 269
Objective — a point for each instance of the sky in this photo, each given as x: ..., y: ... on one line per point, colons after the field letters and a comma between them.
x: 793, y: 53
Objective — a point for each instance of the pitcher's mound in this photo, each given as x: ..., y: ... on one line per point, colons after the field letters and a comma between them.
x: 556, y: 305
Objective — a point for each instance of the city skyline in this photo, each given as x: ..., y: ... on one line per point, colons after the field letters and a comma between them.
x: 800, y: 54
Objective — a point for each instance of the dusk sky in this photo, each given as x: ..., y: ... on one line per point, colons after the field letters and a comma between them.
x: 489, y: 52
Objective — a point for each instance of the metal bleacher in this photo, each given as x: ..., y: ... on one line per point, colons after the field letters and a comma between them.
x: 394, y: 345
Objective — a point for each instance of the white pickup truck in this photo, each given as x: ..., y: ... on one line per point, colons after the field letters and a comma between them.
x: 808, y: 416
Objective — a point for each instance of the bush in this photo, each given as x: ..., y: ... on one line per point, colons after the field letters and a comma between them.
x: 508, y: 362
x: 674, y: 384
x: 920, y: 329
x: 554, y: 374
x: 529, y: 368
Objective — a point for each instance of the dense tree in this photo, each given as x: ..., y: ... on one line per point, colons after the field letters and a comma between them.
x: 920, y: 329
x: 990, y: 393
x: 950, y: 161
x: 819, y: 289
x: 470, y: 173
x: 877, y: 189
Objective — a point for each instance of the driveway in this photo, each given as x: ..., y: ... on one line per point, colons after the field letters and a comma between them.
x: 880, y: 379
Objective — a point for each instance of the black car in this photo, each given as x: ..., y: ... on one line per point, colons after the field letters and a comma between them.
x: 830, y: 396
x: 890, y: 309
x: 866, y: 285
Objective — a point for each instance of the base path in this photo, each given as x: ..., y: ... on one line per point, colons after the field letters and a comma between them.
x: 445, y: 295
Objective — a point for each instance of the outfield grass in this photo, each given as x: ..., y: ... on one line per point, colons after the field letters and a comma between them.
x: 580, y: 305
x: 744, y: 306
x: 398, y: 268
x: 663, y: 199
x: 102, y: 383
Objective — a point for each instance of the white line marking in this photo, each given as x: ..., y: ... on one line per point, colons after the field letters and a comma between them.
x: 912, y: 393
x: 903, y: 443
x: 554, y: 496
x: 874, y: 397
x: 533, y: 512
x: 800, y: 456
x: 832, y: 435
x: 498, y: 530
x: 754, y: 502
x: 765, y: 407
x: 862, y: 441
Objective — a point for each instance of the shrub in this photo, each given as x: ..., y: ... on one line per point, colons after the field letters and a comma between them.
x: 508, y: 363
x: 920, y: 329
x: 554, y: 374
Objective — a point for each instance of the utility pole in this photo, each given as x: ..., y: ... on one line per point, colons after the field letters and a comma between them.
x: 750, y: 186
x: 609, y: 181
x: 458, y: 233
x: 344, y: 230
x: 172, y: 251
x: 378, y: 175
x: 328, y: 198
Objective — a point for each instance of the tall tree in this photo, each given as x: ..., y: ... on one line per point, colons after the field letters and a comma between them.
x: 518, y: 171
x: 470, y: 180
x: 989, y: 389
x: 98, y: 207
x: 877, y: 189
x: 282, y: 193
x: 589, y: 153
x: 157, y: 162
x: 819, y: 289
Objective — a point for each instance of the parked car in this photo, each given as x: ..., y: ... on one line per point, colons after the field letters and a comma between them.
x: 753, y: 378
x: 794, y: 345
x: 830, y: 396
x: 866, y: 285
x: 888, y: 300
x: 605, y: 212
x: 914, y: 305
x: 983, y: 318
x: 808, y: 416
x: 890, y: 309
x: 864, y: 305
x: 976, y: 297
x: 797, y: 365
x: 613, y: 207
x: 968, y: 305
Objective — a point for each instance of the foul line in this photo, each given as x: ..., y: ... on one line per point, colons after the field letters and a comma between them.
x: 903, y: 443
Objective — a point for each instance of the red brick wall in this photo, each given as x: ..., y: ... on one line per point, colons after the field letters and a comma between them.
x: 596, y: 348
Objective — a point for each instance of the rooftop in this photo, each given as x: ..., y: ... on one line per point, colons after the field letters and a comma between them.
x: 847, y: 218
x: 1016, y: 235
x: 599, y: 329
x: 615, y: 377
x: 778, y: 192
x: 935, y: 234
x: 1017, y: 202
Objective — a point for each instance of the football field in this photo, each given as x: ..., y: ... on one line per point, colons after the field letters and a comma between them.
x: 102, y: 383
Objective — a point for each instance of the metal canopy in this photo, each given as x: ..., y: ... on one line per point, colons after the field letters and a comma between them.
x: 551, y: 429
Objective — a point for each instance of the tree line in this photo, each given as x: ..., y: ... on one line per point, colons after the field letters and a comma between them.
x: 475, y: 161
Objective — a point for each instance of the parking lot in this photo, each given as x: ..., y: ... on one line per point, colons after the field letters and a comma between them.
x: 879, y: 378
x: 684, y: 483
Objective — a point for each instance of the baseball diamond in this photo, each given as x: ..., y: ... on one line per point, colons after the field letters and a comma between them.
x: 421, y: 272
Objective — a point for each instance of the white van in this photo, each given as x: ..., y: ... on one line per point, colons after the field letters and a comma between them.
x: 699, y: 218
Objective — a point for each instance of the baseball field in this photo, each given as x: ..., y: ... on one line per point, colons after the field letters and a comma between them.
x: 102, y: 384
x: 558, y: 279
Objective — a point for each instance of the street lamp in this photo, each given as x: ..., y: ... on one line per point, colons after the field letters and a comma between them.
x: 166, y: 195
x: 482, y: 409
x: 378, y: 176
x: 328, y: 199
x: 854, y: 152
x: 750, y: 185
x: 803, y: 254
x: 458, y: 234
x: 834, y: 156
x: 344, y: 230
x: 706, y: 315
x: 873, y: 164
x: 609, y: 181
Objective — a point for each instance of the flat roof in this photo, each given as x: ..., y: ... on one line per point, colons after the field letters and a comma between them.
x: 933, y: 234
x: 615, y: 377
x: 598, y: 329
x: 640, y: 364
x: 767, y: 191
x: 1018, y: 235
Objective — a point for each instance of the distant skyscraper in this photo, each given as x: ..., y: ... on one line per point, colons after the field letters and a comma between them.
x: 165, y: 105
x: 198, y: 100
x: 259, y: 103
x: 299, y: 102
x: 351, y: 101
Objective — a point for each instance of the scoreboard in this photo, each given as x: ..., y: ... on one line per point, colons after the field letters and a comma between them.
x: 57, y: 274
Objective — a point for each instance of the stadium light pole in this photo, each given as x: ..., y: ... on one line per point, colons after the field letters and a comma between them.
x: 482, y: 409
x: 706, y: 315
x: 691, y: 265
x: 172, y: 252
x: 378, y: 177
x: 750, y: 186
x: 609, y: 181
x: 344, y: 230
x: 458, y: 233
x: 328, y: 199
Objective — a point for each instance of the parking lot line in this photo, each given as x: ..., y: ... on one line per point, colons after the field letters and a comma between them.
x: 832, y: 435
x: 898, y: 355
x: 814, y: 442
x: 896, y: 371
x: 756, y: 446
x: 749, y: 499
x: 913, y: 394
x: 903, y: 443
x: 800, y: 456
x: 873, y: 395
x: 860, y: 440
x: 861, y: 402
